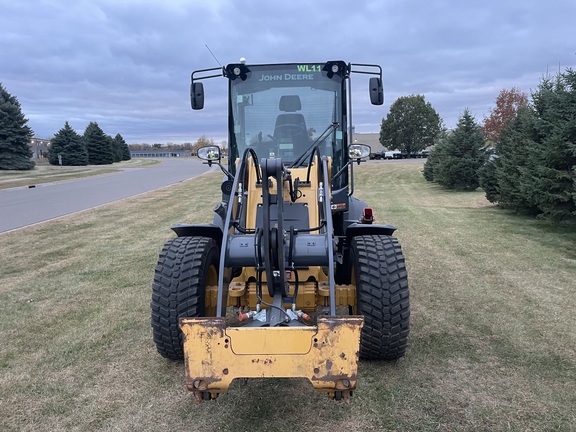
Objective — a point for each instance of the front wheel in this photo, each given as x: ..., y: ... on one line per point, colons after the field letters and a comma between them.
x: 185, y: 267
x: 382, y: 296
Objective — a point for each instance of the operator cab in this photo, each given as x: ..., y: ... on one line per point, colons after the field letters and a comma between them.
x: 281, y: 110
x: 291, y: 112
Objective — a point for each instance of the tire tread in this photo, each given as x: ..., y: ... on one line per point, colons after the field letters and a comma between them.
x: 383, y: 296
x: 178, y: 290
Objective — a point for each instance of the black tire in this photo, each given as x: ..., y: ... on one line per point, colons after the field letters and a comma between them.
x: 185, y: 266
x: 382, y: 296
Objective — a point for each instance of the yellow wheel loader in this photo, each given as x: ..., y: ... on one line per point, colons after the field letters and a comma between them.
x: 292, y: 278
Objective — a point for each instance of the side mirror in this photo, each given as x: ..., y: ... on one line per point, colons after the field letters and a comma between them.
x: 197, y: 95
x: 358, y: 151
x: 209, y: 153
x: 376, y: 91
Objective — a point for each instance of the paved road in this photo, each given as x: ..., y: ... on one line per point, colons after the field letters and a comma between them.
x: 23, y: 206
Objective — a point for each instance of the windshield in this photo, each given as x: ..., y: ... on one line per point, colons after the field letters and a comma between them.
x: 280, y: 110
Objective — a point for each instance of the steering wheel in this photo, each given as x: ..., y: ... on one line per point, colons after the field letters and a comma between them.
x: 297, y: 128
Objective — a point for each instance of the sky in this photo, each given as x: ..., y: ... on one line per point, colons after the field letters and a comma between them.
x: 126, y: 64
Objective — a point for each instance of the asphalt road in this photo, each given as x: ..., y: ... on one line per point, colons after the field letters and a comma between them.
x: 23, y: 206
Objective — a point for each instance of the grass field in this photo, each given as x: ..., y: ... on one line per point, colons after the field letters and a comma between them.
x: 492, y: 344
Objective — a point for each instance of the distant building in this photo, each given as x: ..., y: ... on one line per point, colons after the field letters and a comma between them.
x: 159, y: 153
x: 39, y: 148
x: 372, y: 139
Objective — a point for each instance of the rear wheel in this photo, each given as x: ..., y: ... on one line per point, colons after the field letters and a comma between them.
x: 185, y: 267
x: 382, y: 296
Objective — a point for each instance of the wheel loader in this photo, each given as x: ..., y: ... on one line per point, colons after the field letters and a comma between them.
x: 293, y: 277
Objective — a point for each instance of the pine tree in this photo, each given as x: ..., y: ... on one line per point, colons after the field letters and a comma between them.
x: 489, y: 181
x: 115, y: 155
x: 462, y: 156
x: 430, y: 164
x: 98, y: 145
x: 514, y: 165
x: 15, y: 135
x: 553, y: 182
x: 117, y: 149
x: 122, y: 147
x: 535, y: 168
x: 435, y: 157
x: 70, y: 146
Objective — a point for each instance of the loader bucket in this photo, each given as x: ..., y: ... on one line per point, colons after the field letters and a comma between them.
x: 325, y: 354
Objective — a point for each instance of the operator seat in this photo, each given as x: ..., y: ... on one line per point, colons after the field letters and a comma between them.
x: 290, y: 131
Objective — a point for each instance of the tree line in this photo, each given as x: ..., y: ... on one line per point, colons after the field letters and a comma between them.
x: 94, y: 147
x: 534, y: 168
x: 67, y: 147
x: 188, y: 146
x: 523, y: 155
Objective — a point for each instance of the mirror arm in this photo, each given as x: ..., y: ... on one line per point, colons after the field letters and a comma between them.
x: 345, y: 167
x: 339, y: 173
x: 224, y: 170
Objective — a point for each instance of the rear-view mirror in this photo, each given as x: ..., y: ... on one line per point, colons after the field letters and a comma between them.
x: 197, y: 95
x: 376, y: 91
x: 209, y: 153
x: 359, y: 151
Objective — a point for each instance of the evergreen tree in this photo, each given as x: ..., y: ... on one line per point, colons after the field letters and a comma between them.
x: 488, y: 180
x: 553, y: 188
x: 514, y: 165
x: 435, y: 157
x: 535, y: 168
x: 462, y: 156
x: 116, y: 146
x: 98, y: 145
x: 70, y: 146
x: 122, y: 147
x: 15, y: 135
x: 411, y: 125
x: 115, y: 155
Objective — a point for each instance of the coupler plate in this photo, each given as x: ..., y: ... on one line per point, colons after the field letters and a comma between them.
x: 326, y: 354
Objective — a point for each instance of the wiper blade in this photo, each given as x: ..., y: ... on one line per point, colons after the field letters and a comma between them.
x: 298, y: 162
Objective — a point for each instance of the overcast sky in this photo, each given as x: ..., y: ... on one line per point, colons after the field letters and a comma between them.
x: 126, y: 64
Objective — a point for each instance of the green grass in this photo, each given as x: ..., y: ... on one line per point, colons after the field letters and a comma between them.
x: 45, y: 173
x: 492, y: 344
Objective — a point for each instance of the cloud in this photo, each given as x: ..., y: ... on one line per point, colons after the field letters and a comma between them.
x: 127, y: 64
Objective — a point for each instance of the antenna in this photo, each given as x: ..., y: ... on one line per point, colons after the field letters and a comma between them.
x: 208, y: 48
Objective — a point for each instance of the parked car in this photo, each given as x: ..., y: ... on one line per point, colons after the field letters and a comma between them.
x: 393, y: 154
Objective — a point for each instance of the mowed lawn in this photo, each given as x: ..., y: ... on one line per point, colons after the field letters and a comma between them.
x: 492, y: 343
